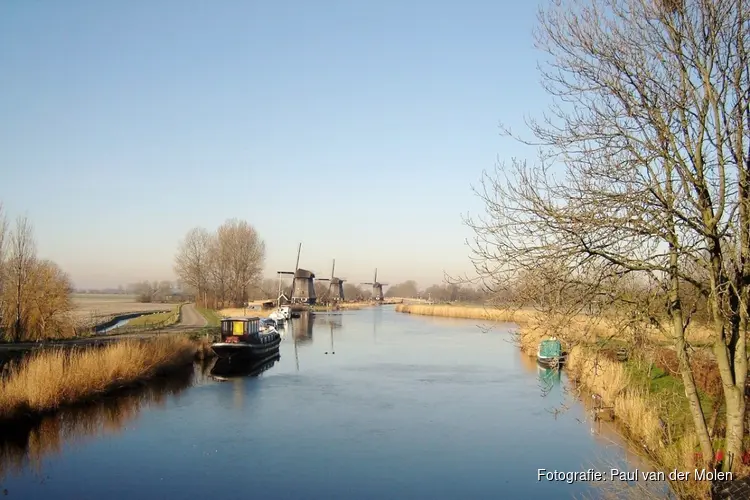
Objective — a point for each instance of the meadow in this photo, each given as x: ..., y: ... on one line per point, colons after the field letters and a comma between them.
x: 87, y: 306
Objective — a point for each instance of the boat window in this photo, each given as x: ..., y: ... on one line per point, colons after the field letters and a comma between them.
x: 238, y: 328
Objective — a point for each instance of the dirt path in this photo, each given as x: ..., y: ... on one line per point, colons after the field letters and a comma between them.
x: 191, y: 319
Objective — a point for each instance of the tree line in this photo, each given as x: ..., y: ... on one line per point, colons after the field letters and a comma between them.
x: 222, y: 268
x: 640, y: 197
x: 35, y: 294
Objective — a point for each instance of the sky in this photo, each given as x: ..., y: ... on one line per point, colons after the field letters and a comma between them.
x: 356, y: 128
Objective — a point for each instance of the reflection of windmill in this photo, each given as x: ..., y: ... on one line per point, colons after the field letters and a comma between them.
x: 303, y: 286
x: 332, y: 351
x: 377, y: 288
x: 302, y: 327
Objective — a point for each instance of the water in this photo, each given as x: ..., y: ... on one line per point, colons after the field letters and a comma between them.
x: 407, y: 407
x: 120, y: 323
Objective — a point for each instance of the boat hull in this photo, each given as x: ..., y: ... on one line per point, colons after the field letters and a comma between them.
x: 548, y: 362
x: 241, y: 350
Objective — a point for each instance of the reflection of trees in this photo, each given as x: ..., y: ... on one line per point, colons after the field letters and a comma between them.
x: 26, y: 444
x: 329, y: 319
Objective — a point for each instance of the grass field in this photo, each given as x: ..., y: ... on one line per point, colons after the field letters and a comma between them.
x: 99, y: 305
x: 213, y: 317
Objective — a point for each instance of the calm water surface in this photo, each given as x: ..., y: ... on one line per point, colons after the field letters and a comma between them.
x: 407, y: 407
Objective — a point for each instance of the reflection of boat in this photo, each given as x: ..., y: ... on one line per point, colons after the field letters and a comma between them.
x: 224, y: 369
x: 548, y: 376
x: 549, y: 353
x: 245, y: 338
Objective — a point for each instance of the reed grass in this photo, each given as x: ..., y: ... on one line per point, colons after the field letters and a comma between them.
x: 578, y: 328
x: 244, y: 312
x: 203, y: 348
x: 49, y: 379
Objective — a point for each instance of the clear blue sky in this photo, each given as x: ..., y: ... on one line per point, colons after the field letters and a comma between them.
x: 355, y: 127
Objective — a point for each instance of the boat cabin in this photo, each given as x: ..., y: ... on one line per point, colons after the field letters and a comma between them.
x: 550, y: 348
x: 239, y: 327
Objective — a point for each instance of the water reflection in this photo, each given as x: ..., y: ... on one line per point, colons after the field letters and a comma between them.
x: 223, y: 369
x: 24, y: 445
x: 548, y: 378
x: 334, y: 320
x: 302, y: 328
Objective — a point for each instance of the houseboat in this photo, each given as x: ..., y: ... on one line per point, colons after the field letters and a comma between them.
x: 549, y: 354
x: 244, y: 338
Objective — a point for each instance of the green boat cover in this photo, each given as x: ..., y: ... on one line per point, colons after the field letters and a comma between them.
x: 550, y: 348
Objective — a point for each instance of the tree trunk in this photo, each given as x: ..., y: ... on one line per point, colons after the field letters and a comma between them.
x: 735, y: 427
x: 699, y: 419
x: 691, y: 392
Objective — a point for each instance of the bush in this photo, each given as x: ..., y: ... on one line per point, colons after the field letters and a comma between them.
x: 705, y: 370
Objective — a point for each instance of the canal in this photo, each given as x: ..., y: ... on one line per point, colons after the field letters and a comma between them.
x: 368, y: 404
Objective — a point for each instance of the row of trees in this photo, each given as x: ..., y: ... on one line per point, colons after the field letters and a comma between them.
x: 35, y: 294
x: 448, y: 292
x: 153, y: 291
x: 222, y: 268
x: 640, y: 197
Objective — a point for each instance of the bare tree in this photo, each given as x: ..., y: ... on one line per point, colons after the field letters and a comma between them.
x: 21, y: 260
x: 192, y: 261
x: 226, y: 265
x: 48, y: 302
x: 145, y: 290
x: 644, y: 171
x: 37, y: 301
x: 238, y: 259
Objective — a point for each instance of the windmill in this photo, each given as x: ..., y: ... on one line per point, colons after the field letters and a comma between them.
x: 377, y: 288
x: 303, y: 287
x: 335, y: 286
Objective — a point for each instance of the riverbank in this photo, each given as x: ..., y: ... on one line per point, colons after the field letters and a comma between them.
x: 49, y: 379
x: 649, y: 403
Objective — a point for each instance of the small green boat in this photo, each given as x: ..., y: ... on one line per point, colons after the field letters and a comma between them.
x: 550, y: 353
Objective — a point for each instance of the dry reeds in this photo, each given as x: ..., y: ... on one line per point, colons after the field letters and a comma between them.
x: 49, y: 379
x: 203, y: 349
x: 239, y: 311
x: 466, y: 312
x: 573, y: 329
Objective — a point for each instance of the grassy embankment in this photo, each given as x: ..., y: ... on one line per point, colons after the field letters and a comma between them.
x: 155, y: 320
x: 649, y: 402
x: 213, y: 318
x: 49, y: 379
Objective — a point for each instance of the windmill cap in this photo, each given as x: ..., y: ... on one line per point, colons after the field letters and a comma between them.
x: 304, y: 273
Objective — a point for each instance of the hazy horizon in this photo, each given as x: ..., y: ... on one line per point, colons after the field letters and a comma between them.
x: 356, y: 130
